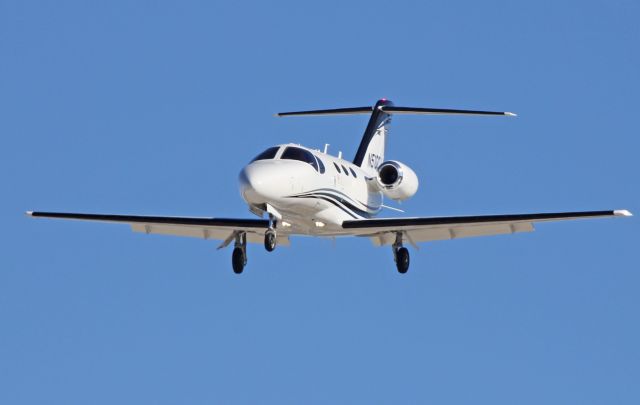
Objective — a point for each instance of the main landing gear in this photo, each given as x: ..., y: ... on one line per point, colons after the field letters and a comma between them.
x: 239, y: 256
x: 400, y: 254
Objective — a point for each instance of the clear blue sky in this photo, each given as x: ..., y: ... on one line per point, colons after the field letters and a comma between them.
x: 153, y: 107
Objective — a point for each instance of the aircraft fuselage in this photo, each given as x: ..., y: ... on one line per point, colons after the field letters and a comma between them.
x: 308, y: 191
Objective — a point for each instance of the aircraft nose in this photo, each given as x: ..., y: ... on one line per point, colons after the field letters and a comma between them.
x: 258, y: 183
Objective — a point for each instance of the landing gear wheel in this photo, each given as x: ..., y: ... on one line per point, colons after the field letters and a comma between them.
x: 238, y: 260
x: 270, y: 240
x: 239, y: 256
x: 402, y: 260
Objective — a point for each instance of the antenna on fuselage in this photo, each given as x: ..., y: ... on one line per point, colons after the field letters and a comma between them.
x: 326, y: 148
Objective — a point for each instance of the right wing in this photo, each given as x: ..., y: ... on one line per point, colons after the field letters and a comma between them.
x: 383, y: 231
x: 224, y: 229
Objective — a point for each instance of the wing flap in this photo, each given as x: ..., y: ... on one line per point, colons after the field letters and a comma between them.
x: 202, y: 232
x: 453, y: 232
x: 382, y: 231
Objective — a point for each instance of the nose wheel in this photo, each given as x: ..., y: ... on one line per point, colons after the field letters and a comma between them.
x: 270, y: 240
x: 270, y: 237
x: 400, y: 255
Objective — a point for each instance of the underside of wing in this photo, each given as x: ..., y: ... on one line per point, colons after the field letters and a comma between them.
x: 384, y: 231
x: 206, y: 228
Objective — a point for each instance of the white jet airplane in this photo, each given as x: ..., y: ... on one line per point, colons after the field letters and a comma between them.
x: 304, y: 191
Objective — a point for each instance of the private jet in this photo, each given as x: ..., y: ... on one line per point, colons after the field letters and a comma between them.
x: 295, y: 190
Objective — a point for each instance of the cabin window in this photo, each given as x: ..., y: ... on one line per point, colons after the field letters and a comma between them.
x: 345, y: 170
x: 337, y: 167
x: 302, y: 155
x: 267, y: 154
x: 353, y: 172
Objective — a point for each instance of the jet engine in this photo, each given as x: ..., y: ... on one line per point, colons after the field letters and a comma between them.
x: 396, y: 180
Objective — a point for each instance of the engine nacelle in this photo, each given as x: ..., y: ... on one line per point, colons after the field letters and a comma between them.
x: 396, y: 180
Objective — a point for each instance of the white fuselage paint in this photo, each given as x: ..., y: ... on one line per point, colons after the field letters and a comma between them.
x: 311, y: 202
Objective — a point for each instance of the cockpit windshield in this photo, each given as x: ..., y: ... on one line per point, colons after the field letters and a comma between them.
x: 302, y: 155
x: 267, y: 154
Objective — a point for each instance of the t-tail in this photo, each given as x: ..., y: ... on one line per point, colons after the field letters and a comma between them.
x: 370, y: 153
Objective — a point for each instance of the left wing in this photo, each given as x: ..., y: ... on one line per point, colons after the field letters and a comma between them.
x: 383, y: 231
x: 223, y: 229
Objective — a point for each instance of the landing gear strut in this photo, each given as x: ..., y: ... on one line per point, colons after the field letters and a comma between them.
x: 270, y: 239
x: 400, y: 254
x: 239, y: 256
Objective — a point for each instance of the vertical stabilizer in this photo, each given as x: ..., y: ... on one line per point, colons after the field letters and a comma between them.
x: 371, y: 150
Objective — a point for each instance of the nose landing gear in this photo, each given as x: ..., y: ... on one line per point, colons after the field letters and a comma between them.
x: 270, y: 240
x: 400, y: 255
x: 270, y: 237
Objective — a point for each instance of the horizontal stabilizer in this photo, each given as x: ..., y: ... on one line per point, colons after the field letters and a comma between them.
x: 389, y: 108
x: 334, y: 111
x: 440, y: 111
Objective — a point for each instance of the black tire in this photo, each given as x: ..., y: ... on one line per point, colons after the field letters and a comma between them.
x: 238, y: 260
x: 402, y: 260
x: 270, y: 241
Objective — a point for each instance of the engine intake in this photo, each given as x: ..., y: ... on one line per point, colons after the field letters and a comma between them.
x: 396, y: 180
x: 388, y: 175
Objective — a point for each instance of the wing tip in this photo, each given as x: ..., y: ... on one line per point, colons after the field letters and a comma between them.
x: 622, y: 213
x: 510, y: 114
x: 28, y: 213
